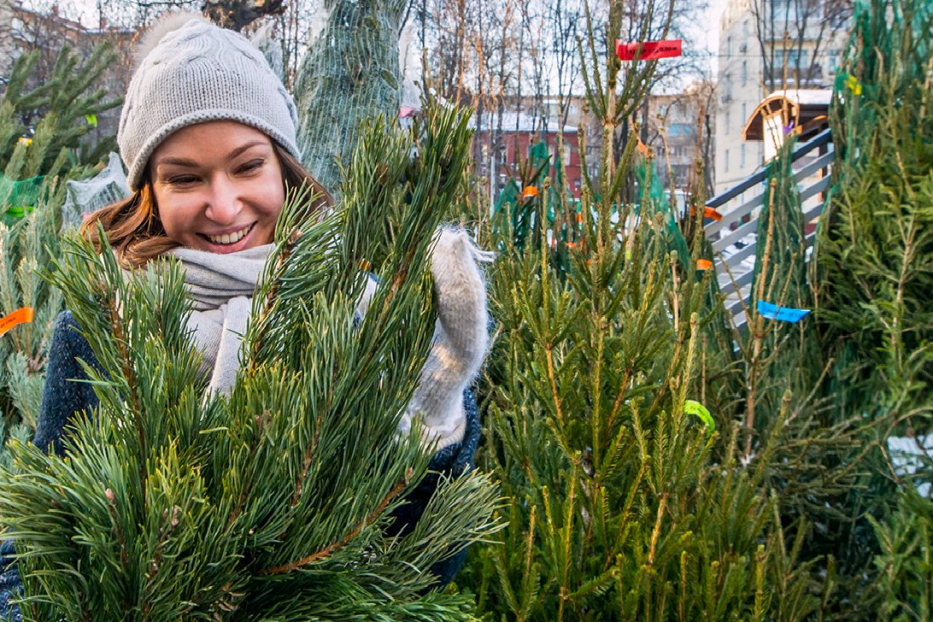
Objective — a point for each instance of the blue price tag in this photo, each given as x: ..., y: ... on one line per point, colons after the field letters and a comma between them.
x: 783, y: 314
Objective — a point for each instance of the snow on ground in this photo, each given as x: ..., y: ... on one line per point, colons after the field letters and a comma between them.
x: 910, y: 454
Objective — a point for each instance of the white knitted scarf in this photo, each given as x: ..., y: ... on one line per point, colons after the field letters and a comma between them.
x: 221, y: 288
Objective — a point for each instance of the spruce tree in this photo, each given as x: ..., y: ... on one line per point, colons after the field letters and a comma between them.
x: 272, y: 503
x: 875, y: 277
x: 629, y: 498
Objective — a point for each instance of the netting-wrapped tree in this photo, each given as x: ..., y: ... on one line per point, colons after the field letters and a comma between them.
x: 272, y: 503
x: 350, y: 73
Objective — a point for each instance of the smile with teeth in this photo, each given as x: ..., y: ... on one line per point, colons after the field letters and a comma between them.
x: 230, y: 238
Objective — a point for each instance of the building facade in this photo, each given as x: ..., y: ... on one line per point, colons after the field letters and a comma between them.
x: 679, y: 131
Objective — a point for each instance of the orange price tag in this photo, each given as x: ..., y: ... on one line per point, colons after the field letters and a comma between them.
x: 529, y: 191
x: 709, y: 212
x: 704, y: 264
x: 20, y: 316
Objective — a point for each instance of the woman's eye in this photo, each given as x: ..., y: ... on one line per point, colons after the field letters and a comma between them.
x: 251, y: 166
x: 182, y: 180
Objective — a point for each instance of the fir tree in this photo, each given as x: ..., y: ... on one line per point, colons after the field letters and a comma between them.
x: 629, y: 500
x: 875, y: 277
x: 65, y: 106
x: 36, y: 161
x: 272, y: 503
x: 350, y: 73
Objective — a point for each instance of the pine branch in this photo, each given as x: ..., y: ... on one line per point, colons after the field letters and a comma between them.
x: 332, y: 548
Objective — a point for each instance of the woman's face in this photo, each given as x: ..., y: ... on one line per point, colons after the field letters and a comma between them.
x: 218, y: 186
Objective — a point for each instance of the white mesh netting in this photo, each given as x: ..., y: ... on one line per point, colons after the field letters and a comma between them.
x: 84, y: 197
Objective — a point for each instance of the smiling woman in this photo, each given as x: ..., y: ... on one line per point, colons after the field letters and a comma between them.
x: 209, y: 187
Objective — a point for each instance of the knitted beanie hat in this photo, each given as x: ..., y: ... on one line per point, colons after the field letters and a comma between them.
x: 192, y: 72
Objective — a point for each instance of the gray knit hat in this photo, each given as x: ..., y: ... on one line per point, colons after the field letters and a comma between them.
x: 197, y: 72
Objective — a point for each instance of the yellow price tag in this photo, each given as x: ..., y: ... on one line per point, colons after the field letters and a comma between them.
x: 854, y: 85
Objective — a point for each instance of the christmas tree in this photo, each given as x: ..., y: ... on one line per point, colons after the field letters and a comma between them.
x: 272, y: 503
x: 875, y: 276
x: 350, y: 73
x: 611, y: 416
x: 613, y: 353
x: 36, y: 161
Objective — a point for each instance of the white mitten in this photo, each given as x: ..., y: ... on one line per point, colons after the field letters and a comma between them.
x: 460, y: 341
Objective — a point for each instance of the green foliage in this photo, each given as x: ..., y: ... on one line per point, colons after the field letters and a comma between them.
x: 905, y: 562
x: 32, y: 191
x: 623, y: 505
x: 619, y: 510
x: 875, y: 277
x: 26, y: 247
x: 270, y: 503
x: 349, y: 75
x: 878, y: 232
x: 625, y: 508
x: 56, y: 111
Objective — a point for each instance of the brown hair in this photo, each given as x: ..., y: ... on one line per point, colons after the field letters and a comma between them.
x: 135, y: 231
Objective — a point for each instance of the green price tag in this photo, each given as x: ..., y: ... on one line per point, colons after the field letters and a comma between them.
x: 91, y: 119
x: 699, y: 410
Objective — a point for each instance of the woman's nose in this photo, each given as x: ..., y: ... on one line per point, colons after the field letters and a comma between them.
x: 223, y: 203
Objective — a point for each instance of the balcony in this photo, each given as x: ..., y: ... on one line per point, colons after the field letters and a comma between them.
x: 810, y: 77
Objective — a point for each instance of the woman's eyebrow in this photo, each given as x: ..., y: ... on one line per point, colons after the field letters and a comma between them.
x: 175, y: 161
x: 245, y: 146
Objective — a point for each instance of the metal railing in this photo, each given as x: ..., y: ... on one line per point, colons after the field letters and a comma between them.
x: 733, y: 237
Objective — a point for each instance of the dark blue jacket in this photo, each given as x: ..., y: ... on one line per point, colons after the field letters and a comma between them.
x: 64, y: 395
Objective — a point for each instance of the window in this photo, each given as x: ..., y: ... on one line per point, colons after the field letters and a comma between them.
x: 833, y: 61
x: 744, y: 115
x: 680, y: 129
x: 797, y: 58
x: 744, y: 72
x: 725, y: 161
x: 728, y: 124
x: 729, y: 46
x: 742, y: 157
x: 784, y: 12
x: 745, y: 30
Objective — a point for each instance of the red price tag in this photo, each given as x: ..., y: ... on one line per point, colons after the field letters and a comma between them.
x: 650, y: 50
